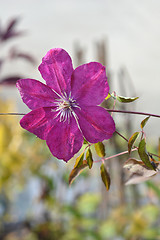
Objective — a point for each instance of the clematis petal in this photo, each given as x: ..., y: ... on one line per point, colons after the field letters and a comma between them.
x: 96, y: 123
x: 64, y: 139
x: 35, y: 94
x: 56, y: 69
x: 89, y: 84
x: 39, y: 121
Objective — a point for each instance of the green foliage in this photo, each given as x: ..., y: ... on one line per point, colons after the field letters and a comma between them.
x: 100, y: 149
x: 89, y: 158
x: 126, y: 223
x: 23, y: 156
x: 105, y: 176
x: 143, y: 123
x: 108, y: 96
x: 123, y: 99
x: 76, y: 171
x: 79, y: 160
x: 17, y: 149
x: 132, y: 140
x: 144, y: 155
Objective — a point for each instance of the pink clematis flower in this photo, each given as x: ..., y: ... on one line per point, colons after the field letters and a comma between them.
x: 65, y: 109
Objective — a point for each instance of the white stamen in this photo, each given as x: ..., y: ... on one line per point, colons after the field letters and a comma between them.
x: 65, y: 108
x: 57, y: 94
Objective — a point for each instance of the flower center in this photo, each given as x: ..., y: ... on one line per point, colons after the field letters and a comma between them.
x: 65, y: 107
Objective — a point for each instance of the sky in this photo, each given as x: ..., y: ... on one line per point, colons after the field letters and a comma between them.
x: 131, y: 29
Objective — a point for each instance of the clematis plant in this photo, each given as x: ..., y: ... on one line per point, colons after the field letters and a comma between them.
x: 65, y: 110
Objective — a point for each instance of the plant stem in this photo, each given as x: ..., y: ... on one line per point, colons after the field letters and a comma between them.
x: 122, y: 136
x: 134, y: 146
x: 13, y: 114
x: 133, y: 112
x: 116, y: 155
x: 109, y: 110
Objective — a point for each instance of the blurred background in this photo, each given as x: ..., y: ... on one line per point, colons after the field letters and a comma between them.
x: 36, y: 201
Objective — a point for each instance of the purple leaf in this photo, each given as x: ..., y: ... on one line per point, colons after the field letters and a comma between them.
x: 27, y: 57
x: 10, y: 30
x: 15, y: 54
x: 10, y: 81
x: 12, y: 24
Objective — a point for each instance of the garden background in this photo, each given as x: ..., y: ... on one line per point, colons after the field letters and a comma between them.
x: 36, y: 201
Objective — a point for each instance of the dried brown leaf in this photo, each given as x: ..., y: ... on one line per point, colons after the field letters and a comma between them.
x: 138, y: 171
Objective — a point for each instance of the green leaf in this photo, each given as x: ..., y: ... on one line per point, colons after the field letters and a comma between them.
x: 143, y: 123
x: 79, y: 160
x: 132, y: 140
x: 85, y: 141
x: 126, y: 99
x: 100, y: 149
x: 108, y: 96
x: 105, y: 177
x: 144, y: 155
x: 89, y: 158
x: 76, y: 171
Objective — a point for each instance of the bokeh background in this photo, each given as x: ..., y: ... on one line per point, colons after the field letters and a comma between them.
x: 130, y: 28
x: 35, y: 199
